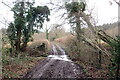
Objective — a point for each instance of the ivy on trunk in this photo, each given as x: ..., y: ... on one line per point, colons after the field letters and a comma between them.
x: 27, y: 21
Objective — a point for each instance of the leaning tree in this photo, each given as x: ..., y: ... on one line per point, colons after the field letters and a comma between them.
x: 75, y: 13
x: 73, y: 10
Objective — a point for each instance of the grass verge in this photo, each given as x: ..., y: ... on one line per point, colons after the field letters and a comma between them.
x: 16, y: 67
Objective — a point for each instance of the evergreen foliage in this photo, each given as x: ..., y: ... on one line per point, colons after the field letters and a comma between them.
x: 27, y: 21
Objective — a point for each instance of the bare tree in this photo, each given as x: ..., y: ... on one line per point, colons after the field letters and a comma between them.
x: 47, y: 31
x: 56, y: 30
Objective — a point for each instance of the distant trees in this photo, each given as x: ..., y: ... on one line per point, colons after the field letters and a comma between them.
x: 27, y: 20
x: 56, y: 31
x: 47, y: 31
x: 53, y: 31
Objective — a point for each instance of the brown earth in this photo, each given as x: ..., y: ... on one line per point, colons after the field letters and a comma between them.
x: 52, y: 67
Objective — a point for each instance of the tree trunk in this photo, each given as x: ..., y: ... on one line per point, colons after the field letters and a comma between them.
x: 78, y: 28
x: 19, y: 27
x: 117, y: 71
x: 87, y: 20
x: 78, y: 31
x: 100, y: 56
x: 47, y: 34
x: 18, y: 39
x: 26, y: 39
x: 24, y: 46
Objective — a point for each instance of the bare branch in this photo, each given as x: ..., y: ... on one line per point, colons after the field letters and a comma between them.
x: 117, y: 2
x: 95, y: 46
x: 4, y: 23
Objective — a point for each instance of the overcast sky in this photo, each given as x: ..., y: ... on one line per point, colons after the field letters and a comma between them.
x: 103, y: 11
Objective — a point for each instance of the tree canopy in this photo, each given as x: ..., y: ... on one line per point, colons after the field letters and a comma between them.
x: 27, y: 21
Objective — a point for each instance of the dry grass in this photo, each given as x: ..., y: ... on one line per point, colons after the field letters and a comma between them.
x: 33, y: 50
x: 38, y: 42
x: 86, y: 57
x: 38, y: 36
x: 14, y: 70
x: 64, y: 40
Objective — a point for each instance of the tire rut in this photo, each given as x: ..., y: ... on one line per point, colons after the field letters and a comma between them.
x: 58, y: 67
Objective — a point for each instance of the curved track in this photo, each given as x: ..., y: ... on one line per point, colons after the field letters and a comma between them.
x: 56, y: 65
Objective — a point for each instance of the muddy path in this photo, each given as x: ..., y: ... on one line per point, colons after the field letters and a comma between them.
x: 56, y: 65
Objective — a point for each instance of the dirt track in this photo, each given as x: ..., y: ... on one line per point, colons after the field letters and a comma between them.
x: 56, y: 65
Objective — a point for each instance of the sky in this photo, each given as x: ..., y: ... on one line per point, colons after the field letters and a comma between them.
x: 103, y: 11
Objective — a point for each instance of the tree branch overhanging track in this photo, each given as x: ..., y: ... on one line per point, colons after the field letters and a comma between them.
x: 96, y: 33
